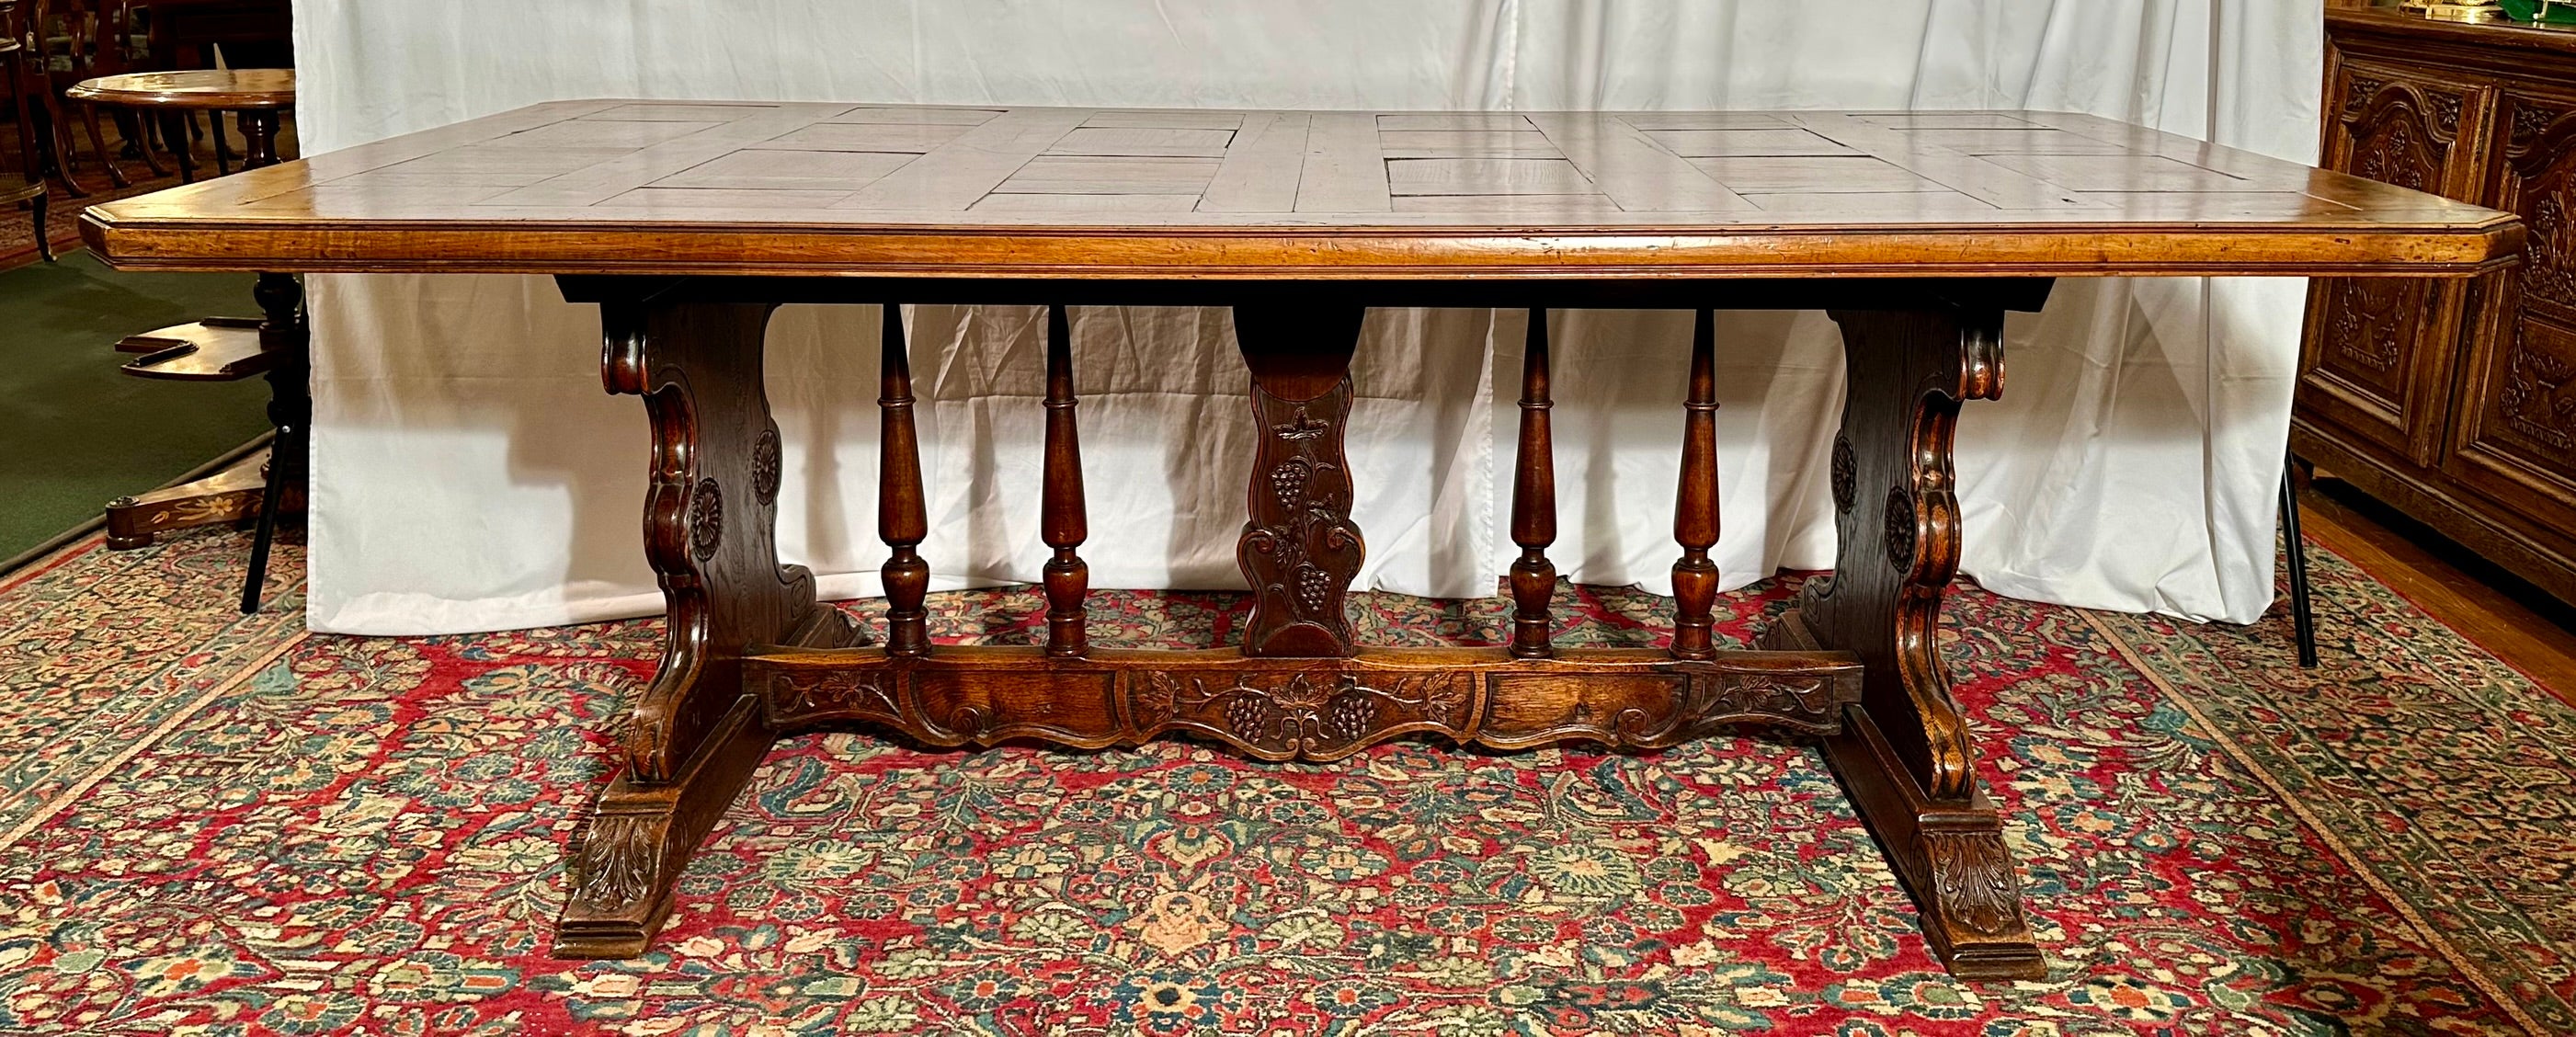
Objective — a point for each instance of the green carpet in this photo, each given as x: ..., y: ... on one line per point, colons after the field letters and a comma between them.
x: 74, y: 432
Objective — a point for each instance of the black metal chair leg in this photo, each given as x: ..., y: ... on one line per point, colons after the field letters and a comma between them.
x: 270, y: 497
x: 44, y: 235
x: 2303, y: 624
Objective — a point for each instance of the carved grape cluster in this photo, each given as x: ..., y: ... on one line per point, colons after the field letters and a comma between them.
x: 1351, y: 717
x: 1314, y: 588
x: 1245, y: 715
x: 1288, y: 482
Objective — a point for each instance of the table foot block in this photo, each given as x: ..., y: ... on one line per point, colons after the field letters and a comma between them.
x: 624, y: 862
x: 1303, y: 708
x: 1949, y: 855
x: 216, y: 349
x: 228, y: 496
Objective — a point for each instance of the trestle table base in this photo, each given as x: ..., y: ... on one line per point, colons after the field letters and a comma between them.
x: 751, y: 656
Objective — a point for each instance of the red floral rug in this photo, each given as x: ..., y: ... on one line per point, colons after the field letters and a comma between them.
x: 212, y: 824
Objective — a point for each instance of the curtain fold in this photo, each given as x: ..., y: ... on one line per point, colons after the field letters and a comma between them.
x: 470, y: 474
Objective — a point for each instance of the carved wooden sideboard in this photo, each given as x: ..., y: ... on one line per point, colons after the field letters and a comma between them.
x: 2455, y: 401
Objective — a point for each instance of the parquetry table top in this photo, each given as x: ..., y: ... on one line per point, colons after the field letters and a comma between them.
x: 640, y: 187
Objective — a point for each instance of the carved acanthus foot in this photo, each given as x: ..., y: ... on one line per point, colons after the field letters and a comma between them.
x: 620, y: 869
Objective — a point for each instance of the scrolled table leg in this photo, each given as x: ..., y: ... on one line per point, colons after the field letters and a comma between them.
x: 693, y: 737
x: 1904, y: 753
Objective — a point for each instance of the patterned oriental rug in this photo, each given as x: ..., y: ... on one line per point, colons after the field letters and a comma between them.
x: 212, y: 824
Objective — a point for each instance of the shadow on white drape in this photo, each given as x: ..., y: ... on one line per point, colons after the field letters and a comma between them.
x: 471, y: 475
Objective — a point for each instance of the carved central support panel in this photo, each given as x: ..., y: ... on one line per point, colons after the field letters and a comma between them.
x: 1299, y: 549
x: 1311, y: 709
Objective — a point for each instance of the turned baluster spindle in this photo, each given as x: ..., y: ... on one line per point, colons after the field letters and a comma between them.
x: 1695, y: 509
x: 1533, y: 503
x: 1064, y: 524
x: 902, y: 520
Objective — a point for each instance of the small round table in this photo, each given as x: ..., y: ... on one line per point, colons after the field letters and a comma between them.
x: 220, y: 349
x: 255, y: 95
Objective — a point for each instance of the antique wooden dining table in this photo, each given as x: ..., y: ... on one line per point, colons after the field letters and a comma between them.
x: 688, y: 223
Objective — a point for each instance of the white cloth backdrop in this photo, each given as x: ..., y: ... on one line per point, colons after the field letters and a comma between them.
x: 470, y: 473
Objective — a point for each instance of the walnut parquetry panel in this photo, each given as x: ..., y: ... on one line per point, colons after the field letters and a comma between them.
x: 658, y: 187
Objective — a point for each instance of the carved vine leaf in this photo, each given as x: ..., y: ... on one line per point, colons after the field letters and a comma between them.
x: 1301, y: 538
x: 617, y: 863
x: 2446, y: 113
x: 2531, y: 120
x: 1303, y: 714
x: 868, y: 692
x: 2400, y: 150
x: 1974, y: 881
x: 1778, y: 696
x: 2549, y: 261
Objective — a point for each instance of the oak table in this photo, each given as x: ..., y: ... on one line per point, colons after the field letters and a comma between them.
x: 689, y: 223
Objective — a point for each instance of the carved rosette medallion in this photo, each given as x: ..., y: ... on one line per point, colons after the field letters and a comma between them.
x: 1899, y: 530
x: 706, y: 519
x: 1974, y: 880
x: 1846, y: 474
x: 617, y: 863
x: 764, y: 467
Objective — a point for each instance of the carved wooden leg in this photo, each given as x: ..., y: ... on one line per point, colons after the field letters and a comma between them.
x: 1068, y: 579
x: 174, y: 130
x: 901, y: 519
x: 1695, y: 503
x: 98, y: 143
x: 1299, y: 550
x: 259, y: 136
x: 693, y: 737
x: 1533, y: 503
x: 1903, y: 754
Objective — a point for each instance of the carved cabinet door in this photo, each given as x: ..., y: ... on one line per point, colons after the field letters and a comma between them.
x: 2516, y: 437
x: 2379, y: 350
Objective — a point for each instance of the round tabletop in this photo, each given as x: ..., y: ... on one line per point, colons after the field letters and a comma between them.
x: 207, y: 88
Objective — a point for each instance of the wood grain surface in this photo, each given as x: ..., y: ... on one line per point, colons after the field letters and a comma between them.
x: 639, y: 187
x: 201, y: 88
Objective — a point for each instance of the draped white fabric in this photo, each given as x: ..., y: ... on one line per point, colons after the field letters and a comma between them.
x: 470, y: 473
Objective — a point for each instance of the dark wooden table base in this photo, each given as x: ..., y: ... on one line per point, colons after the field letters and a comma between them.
x: 751, y: 656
